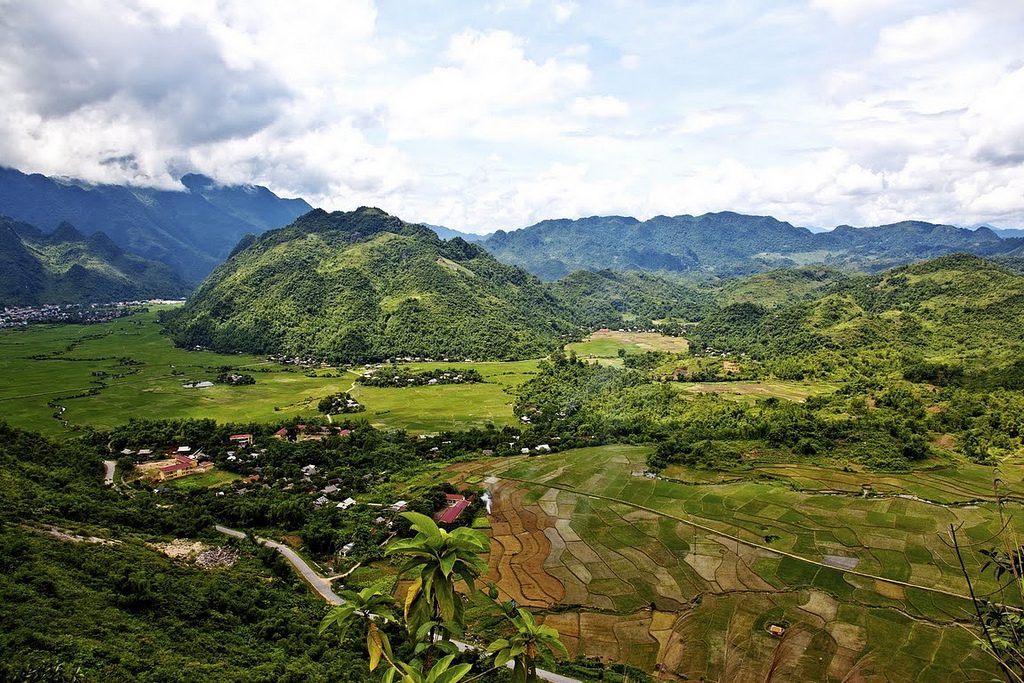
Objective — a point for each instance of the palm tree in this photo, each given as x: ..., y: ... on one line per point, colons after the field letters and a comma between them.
x: 525, y: 646
x: 439, y: 560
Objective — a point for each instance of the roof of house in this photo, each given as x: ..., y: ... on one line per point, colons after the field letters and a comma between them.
x: 454, y: 497
x: 450, y: 514
x: 240, y: 437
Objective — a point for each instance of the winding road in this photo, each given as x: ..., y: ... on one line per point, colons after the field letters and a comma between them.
x: 108, y: 472
x: 323, y: 587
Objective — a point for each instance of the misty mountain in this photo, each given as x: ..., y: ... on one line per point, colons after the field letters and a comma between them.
x: 447, y: 233
x: 191, y: 230
x: 66, y: 267
x: 728, y: 244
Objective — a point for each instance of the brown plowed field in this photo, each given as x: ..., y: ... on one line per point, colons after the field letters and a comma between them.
x: 519, y: 548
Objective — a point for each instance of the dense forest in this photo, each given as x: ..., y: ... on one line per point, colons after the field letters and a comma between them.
x: 364, y: 285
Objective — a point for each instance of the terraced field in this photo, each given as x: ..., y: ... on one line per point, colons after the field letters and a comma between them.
x: 684, y: 579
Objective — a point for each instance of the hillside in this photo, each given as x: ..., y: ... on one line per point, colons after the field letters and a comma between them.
x: 191, y: 230
x: 727, y: 244
x: 958, y: 306
x: 612, y: 299
x: 363, y: 285
x: 68, y: 267
x: 778, y: 287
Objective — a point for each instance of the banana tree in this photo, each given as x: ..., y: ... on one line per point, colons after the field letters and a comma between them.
x: 525, y: 646
x: 438, y: 560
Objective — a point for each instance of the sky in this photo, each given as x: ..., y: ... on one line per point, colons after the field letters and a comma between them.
x: 494, y: 114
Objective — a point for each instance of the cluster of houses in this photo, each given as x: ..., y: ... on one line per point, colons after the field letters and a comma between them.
x: 20, y: 316
x: 310, y: 433
x: 301, y: 361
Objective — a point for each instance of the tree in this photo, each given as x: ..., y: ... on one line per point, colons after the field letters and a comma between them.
x: 524, y: 647
x: 433, y: 611
x: 438, y: 559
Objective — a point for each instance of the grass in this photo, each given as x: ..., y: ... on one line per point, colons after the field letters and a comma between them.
x: 752, y: 391
x: 43, y: 368
x: 608, y: 343
x: 206, y: 480
x: 447, y: 407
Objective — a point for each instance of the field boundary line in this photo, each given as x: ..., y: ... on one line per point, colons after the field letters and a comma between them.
x: 737, y: 539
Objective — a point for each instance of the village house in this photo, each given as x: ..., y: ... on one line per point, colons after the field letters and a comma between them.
x: 346, y: 504
x: 455, y: 505
x: 241, y: 439
x: 400, y: 505
x: 181, y: 466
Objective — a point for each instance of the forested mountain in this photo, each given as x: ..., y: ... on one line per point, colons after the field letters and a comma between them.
x: 959, y: 306
x: 363, y: 285
x: 728, y: 244
x: 610, y: 299
x: 68, y: 267
x: 191, y: 230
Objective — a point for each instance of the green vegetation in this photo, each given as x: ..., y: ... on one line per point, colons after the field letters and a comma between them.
x: 726, y: 243
x: 366, y: 286
x: 46, y: 368
x: 401, y: 377
x: 438, y: 408
x: 67, y: 267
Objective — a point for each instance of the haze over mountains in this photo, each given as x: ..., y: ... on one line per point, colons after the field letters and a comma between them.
x: 65, y: 266
x: 195, y: 229
x: 191, y: 230
x: 729, y: 244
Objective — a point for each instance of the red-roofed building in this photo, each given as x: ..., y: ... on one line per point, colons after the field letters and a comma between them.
x: 242, y: 439
x: 457, y: 504
x: 183, y: 466
x: 281, y: 433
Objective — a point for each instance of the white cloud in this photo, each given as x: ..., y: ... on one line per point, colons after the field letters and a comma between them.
x: 845, y: 11
x: 490, y: 115
x: 928, y: 37
x: 599, y: 107
x: 701, y: 121
x: 489, y: 80
x: 562, y: 10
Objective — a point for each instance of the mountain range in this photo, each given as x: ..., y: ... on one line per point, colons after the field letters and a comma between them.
x: 191, y: 230
x: 365, y: 285
x: 729, y: 244
x: 66, y: 266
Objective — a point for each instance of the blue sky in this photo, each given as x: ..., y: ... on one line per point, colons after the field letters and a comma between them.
x: 499, y: 113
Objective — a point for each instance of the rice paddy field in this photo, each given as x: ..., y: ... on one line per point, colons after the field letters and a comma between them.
x: 436, y: 408
x: 684, y: 579
x: 53, y: 377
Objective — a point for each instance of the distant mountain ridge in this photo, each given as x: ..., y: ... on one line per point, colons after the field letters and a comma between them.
x: 447, y: 233
x: 68, y: 267
x: 366, y: 285
x: 729, y: 244
x: 191, y: 230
